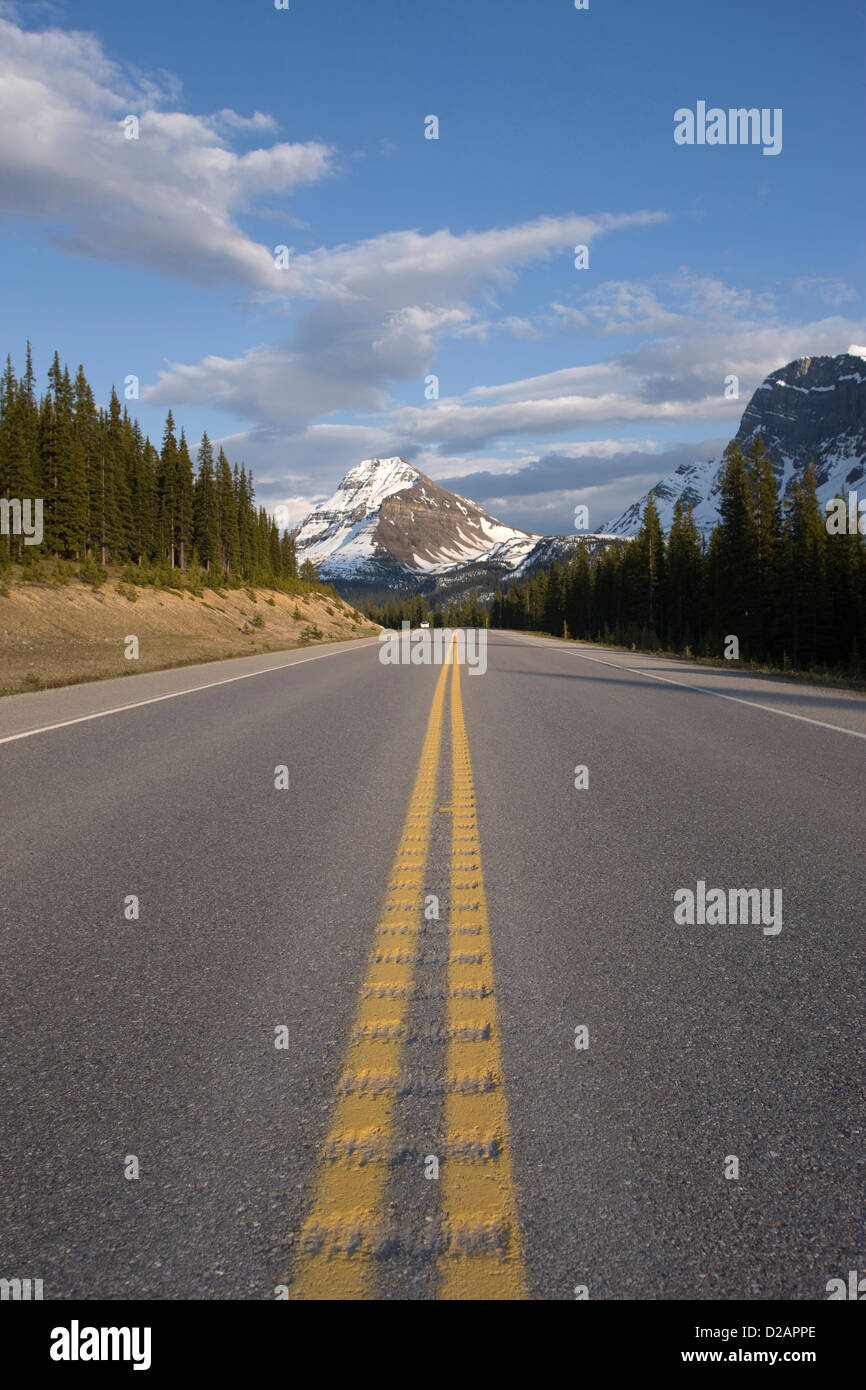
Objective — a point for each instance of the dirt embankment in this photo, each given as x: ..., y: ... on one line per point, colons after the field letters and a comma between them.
x: 59, y: 635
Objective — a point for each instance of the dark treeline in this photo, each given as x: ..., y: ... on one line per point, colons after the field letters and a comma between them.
x: 468, y: 612
x: 110, y: 497
x: 793, y: 594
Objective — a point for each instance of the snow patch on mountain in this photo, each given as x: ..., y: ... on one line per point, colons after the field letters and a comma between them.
x: 342, y: 529
x: 387, y: 522
x: 812, y: 410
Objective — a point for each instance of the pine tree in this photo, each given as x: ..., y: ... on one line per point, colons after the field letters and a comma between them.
x: 733, y: 556
x: 67, y: 461
x: 11, y: 453
x: 845, y: 572
x: 183, y: 532
x: 206, y: 511
x: 118, y: 467
x: 684, y: 578
x: 765, y: 562
x: 228, y: 515
x: 145, y: 468
x: 648, y: 554
x: 579, y: 594
x: 552, y: 607
x: 86, y: 445
x: 805, y: 580
x: 167, y: 495
x: 107, y: 492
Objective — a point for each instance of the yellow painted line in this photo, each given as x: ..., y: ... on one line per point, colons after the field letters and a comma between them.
x: 338, y: 1243
x: 483, y: 1257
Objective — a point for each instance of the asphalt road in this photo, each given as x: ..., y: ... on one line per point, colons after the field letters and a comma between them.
x: 259, y: 908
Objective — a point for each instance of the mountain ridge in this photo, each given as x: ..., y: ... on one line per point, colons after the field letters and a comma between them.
x: 388, y: 527
x: 790, y: 413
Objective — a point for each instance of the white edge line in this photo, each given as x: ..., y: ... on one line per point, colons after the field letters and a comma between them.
x: 175, y: 694
x: 737, y: 699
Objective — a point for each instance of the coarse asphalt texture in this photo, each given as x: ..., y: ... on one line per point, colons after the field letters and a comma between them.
x: 154, y: 1037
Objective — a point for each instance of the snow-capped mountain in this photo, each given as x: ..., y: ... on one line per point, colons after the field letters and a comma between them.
x: 813, y: 409
x: 388, y: 523
x: 389, y: 526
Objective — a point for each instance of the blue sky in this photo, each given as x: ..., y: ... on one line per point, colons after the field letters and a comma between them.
x: 453, y: 257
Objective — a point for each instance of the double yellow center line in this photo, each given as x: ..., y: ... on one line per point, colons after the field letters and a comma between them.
x: 483, y: 1258
x: 342, y: 1254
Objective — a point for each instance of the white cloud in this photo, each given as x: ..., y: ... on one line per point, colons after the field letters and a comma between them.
x: 522, y: 327
x: 615, y: 307
x: 410, y: 267
x: 667, y: 305
x: 378, y: 311
x: 167, y: 201
x: 365, y: 317
x: 827, y: 288
x: 668, y: 379
x: 664, y: 380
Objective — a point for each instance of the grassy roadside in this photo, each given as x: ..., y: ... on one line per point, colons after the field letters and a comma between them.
x: 856, y: 684
x: 61, y: 630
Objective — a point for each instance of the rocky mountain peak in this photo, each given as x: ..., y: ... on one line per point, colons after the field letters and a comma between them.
x: 812, y: 410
